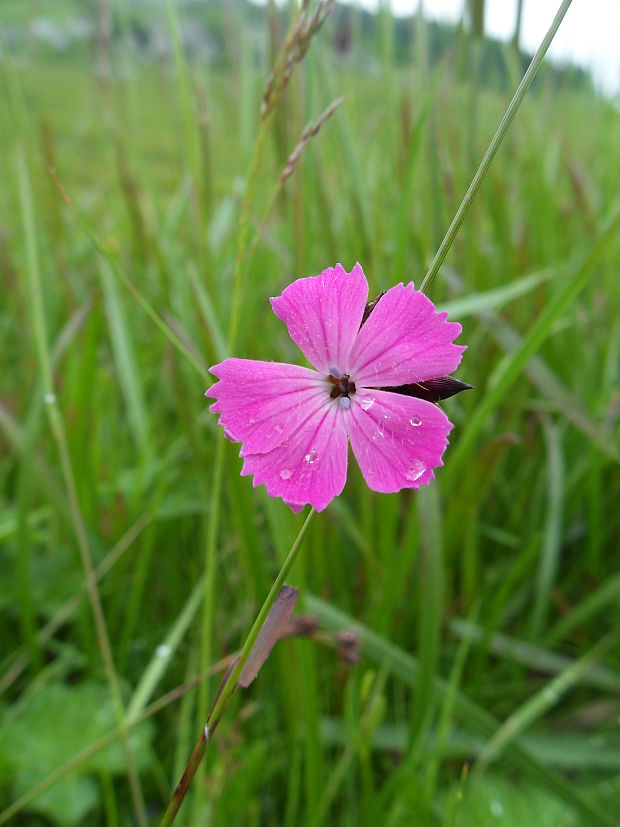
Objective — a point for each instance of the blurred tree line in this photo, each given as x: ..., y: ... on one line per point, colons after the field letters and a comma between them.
x: 215, y: 30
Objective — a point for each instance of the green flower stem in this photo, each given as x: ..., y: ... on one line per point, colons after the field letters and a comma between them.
x: 229, y: 683
x: 495, y: 144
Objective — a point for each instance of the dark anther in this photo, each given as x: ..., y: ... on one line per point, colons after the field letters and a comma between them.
x: 342, y: 386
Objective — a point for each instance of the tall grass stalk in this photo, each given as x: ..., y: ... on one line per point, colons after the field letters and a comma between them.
x: 58, y: 432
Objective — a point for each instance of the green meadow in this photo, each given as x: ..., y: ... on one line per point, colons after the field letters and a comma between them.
x: 457, y: 661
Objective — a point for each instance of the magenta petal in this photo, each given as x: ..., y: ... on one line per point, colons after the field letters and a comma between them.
x: 295, y: 507
x: 397, y: 440
x: 404, y: 340
x: 323, y: 314
x: 311, y: 464
x: 262, y: 403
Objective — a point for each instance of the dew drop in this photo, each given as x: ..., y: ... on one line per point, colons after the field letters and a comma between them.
x: 286, y: 473
x: 415, y: 470
x: 367, y: 404
x: 163, y: 651
x: 49, y: 398
x: 345, y: 403
x: 311, y: 457
x: 415, y: 421
x: 497, y: 809
x: 278, y: 428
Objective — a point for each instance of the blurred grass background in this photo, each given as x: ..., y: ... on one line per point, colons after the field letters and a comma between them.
x: 488, y: 604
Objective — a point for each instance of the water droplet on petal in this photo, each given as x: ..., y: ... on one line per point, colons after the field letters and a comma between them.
x: 286, y: 473
x: 345, y: 403
x: 415, y: 470
x: 279, y: 428
x: 415, y: 421
x: 367, y: 404
x: 311, y: 457
x: 252, y: 420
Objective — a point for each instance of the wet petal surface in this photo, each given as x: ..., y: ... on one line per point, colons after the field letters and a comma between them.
x: 262, y: 403
x: 397, y: 440
x: 310, y: 466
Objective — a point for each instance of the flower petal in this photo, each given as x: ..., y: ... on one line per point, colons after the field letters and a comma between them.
x: 311, y: 464
x: 262, y: 403
x: 323, y: 314
x: 397, y: 440
x: 404, y: 340
x: 295, y: 507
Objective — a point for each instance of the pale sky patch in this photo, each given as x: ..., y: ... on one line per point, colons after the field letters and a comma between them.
x: 589, y: 34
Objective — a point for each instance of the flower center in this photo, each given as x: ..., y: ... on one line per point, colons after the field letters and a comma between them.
x: 342, y: 389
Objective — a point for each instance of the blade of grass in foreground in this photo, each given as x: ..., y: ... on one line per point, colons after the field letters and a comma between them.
x: 159, y: 662
x: 552, y: 537
x: 479, y: 303
x: 130, y: 378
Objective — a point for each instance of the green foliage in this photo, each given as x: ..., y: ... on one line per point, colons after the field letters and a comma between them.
x: 481, y: 601
x: 497, y: 801
x: 51, y: 726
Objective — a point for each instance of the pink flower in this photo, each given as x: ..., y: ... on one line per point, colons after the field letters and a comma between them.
x: 295, y: 422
